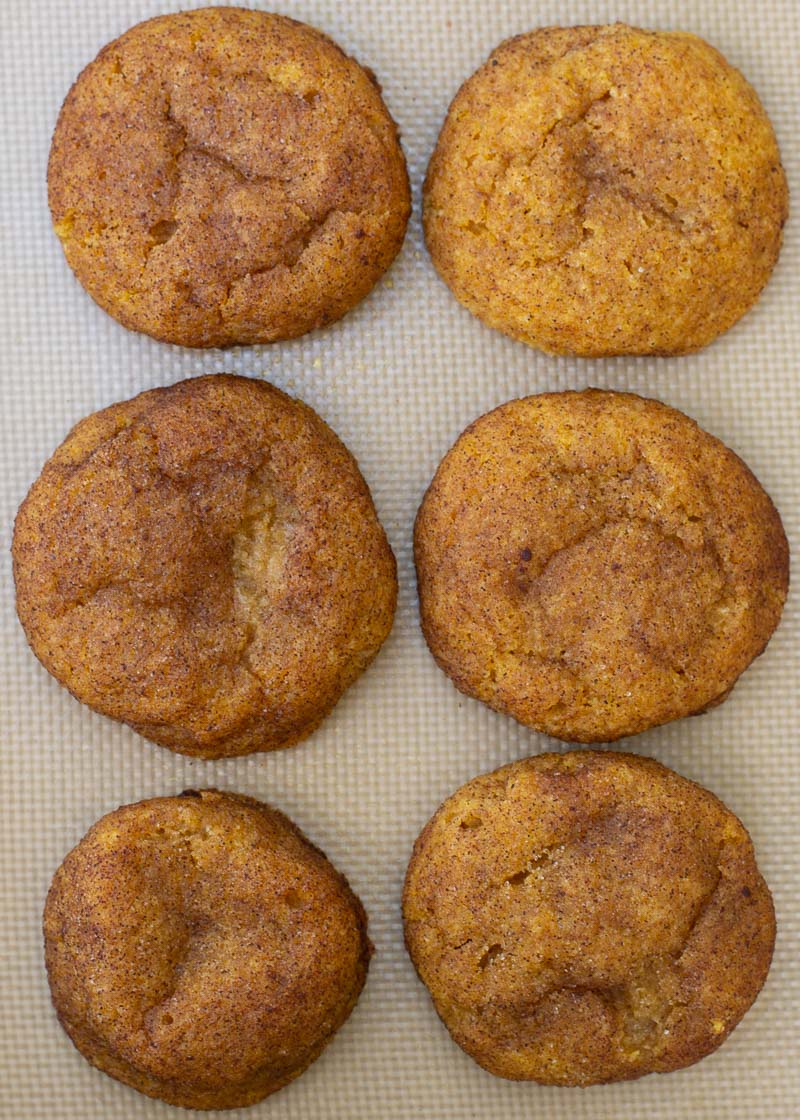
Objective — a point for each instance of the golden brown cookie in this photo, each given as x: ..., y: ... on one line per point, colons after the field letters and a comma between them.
x: 595, y: 564
x: 587, y: 917
x: 226, y: 176
x: 200, y: 949
x: 204, y: 562
x: 606, y: 190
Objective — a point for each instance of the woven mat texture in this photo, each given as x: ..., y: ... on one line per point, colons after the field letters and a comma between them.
x: 398, y: 379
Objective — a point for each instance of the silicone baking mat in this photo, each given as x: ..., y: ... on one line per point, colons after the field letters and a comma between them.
x: 398, y: 379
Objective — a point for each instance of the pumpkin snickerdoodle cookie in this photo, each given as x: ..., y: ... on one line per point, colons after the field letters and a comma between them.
x: 225, y: 176
x: 200, y: 949
x: 606, y: 190
x: 204, y: 562
x: 594, y: 564
x: 587, y: 917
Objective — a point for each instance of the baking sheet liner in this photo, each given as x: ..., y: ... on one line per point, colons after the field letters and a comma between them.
x: 398, y: 379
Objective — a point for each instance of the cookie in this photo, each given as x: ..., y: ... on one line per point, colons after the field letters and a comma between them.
x: 205, y: 563
x: 225, y: 176
x: 201, y: 950
x: 595, y: 564
x: 587, y: 917
x: 606, y: 190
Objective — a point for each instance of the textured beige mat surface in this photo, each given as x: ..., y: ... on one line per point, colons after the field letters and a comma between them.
x: 398, y: 379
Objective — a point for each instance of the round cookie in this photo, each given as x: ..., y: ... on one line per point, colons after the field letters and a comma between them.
x: 200, y: 949
x: 587, y: 917
x: 606, y: 190
x: 595, y: 564
x: 226, y: 176
x: 204, y: 562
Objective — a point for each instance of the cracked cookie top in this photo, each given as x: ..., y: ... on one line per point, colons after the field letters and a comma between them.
x: 225, y: 176
x: 606, y: 190
x: 595, y: 564
x: 200, y: 949
x: 587, y: 917
x: 204, y: 562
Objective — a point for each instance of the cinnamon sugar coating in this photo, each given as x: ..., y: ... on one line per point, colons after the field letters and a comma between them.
x: 606, y: 190
x: 201, y: 950
x: 587, y: 917
x: 226, y: 176
x: 594, y: 564
x: 204, y: 562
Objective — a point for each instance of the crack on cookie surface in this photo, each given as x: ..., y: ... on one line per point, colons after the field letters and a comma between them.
x: 565, y: 130
x: 183, y: 941
x: 193, y: 573
x: 592, y: 928
x: 289, y: 165
x: 593, y: 565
